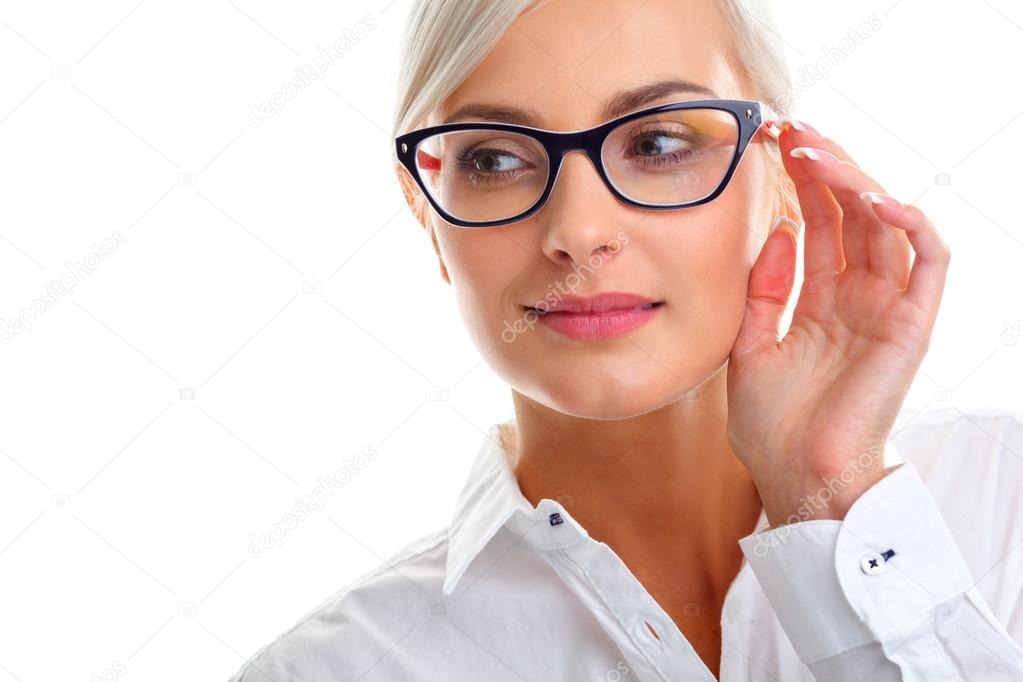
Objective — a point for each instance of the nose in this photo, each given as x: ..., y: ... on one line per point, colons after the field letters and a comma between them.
x: 581, y: 216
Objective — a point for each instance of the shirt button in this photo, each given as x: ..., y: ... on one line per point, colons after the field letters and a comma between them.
x: 731, y: 611
x: 872, y: 563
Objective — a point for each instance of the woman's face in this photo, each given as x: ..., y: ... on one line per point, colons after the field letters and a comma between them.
x: 564, y: 61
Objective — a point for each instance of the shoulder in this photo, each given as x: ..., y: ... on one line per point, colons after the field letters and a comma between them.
x: 343, y: 635
x: 972, y: 442
x: 971, y: 461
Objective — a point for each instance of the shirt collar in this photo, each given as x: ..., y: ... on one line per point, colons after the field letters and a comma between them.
x: 491, y: 497
x: 893, y: 454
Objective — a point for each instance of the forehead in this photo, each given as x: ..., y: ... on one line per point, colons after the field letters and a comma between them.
x: 569, y: 58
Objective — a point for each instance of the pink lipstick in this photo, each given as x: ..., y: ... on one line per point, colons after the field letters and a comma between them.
x: 603, y: 316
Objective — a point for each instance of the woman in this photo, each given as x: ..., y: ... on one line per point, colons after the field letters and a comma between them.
x: 685, y: 493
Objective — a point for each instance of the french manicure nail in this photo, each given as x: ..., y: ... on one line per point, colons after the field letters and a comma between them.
x: 794, y: 123
x: 798, y: 125
x: 805, y: 152
x: 877, y: 198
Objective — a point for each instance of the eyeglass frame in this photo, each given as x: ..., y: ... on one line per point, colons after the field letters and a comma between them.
x: 749, y: 115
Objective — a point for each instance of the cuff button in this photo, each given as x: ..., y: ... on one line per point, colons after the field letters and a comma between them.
x: 872, y: 563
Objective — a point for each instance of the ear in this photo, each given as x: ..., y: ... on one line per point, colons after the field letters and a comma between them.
x: 418, y: 205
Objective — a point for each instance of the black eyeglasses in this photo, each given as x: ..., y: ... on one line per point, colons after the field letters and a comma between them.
x: 665, y: 157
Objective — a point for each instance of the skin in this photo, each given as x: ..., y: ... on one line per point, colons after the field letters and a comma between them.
x: 667, y: 443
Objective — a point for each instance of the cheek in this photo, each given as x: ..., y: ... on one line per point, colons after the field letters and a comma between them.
x: 483, y: 267
x: 705, y: 264
x: 707, y: 258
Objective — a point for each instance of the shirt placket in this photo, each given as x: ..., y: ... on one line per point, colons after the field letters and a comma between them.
x: 598, y: 577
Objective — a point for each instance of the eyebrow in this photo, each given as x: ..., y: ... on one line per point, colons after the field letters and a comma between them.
x: 617, y: 105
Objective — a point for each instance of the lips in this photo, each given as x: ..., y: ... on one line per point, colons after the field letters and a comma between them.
x: 605, y: 316
x: 607, y: 302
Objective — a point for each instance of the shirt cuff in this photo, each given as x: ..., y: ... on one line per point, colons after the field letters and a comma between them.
x: 873, y: 576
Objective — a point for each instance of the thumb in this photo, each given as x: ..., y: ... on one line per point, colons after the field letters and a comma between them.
x: 770, y: 284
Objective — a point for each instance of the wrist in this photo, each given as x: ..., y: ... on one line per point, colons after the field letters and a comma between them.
x: 816, y: 497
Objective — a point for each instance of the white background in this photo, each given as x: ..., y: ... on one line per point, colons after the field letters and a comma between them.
x: 274, y: 309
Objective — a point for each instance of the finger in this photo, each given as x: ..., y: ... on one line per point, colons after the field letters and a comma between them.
x: 822, y: 250
x: 855, y: 242
x: 875, y: 246
x: 806, y: 135
x: 856, y: 239
x: 888, y: 251
x: 770, y: 286
x: 927, y: 278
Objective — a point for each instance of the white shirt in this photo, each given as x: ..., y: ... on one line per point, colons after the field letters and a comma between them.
x: 506, y: 592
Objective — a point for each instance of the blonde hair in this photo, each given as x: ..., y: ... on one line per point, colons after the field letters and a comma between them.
x: 445, y: 40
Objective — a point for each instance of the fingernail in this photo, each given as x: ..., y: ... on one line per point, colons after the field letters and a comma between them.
x: 786, y: 221
x: 787, y: 225
x: 805, y: 152
x: 797, y: 124
x: 877, y: 198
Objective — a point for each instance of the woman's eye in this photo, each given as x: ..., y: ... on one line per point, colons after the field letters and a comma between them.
x: 653, y: 145
x: 494, y: 161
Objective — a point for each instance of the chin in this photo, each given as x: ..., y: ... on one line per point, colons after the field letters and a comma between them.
x: 603, y: 399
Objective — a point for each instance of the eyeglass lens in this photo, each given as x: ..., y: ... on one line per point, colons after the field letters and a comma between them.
x: 662, y: 159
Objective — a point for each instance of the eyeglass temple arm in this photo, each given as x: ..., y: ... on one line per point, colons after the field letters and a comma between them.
x: 771, y: 121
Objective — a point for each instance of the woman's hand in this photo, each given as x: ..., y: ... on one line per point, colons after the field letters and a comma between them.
x: 809, y: 414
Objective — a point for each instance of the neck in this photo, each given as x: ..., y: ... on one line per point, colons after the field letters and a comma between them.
x: 658, y: 488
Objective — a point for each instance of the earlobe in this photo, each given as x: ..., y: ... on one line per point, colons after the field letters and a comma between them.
x: 413, y: 195
x: 436, y: 249
x: 443, y: 269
